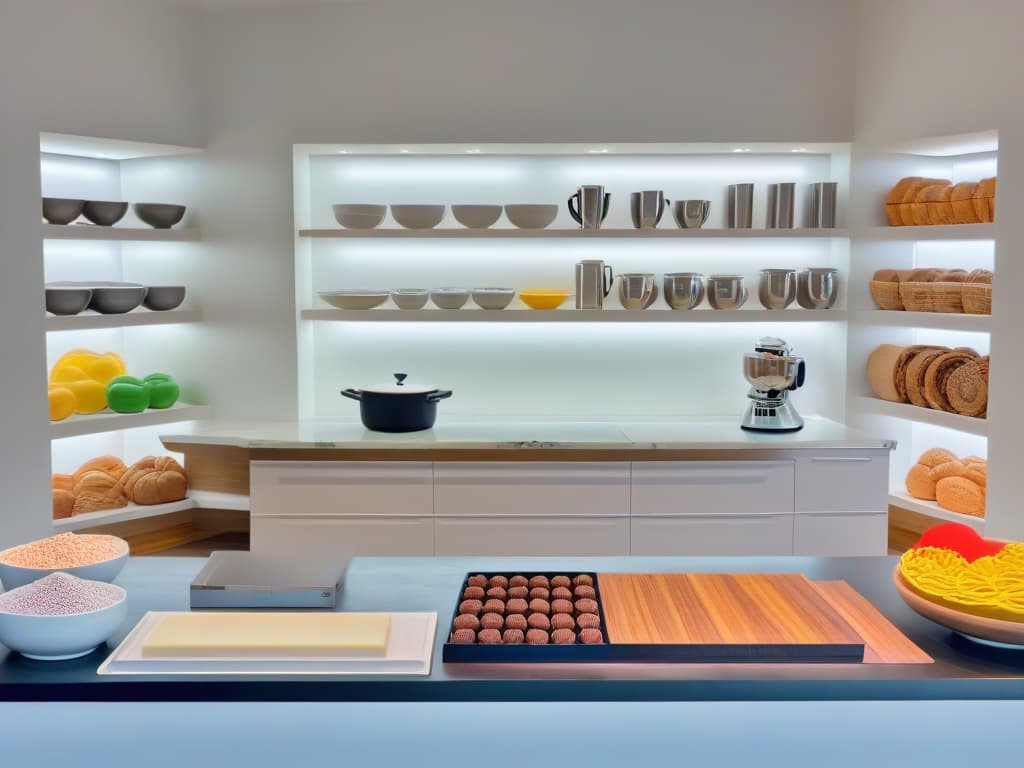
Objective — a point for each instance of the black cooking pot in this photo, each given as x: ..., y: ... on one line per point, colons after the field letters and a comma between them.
x: 397, y: 407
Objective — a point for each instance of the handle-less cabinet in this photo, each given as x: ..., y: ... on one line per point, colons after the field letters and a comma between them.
x: 718, y: 533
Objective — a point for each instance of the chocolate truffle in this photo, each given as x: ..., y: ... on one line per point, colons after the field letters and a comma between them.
x: 591, y: 636
x: 584, y: 579
x: 512, y: 637
x: 560, y: 581
x: 561, y: 606
x: 473, y: 593
x: 539, y: 581
x: 515, y: 621
x: 562, y: 621
x: 488, y: 636
x: 498, y: 581
x: 518, y: 581
x: 588, y: 621
x: 583, y: 591
x: 541, y: 606
x: 563, y: 636
x: 537, y: 637
x: 539, y: 593
x: 499, y: 593
x: 470, y: 606
x: 477, y: 581
x: 559, y: 593
x: 586, y: 605
x: 516, y: 605
x: 467, y: 621
x: 518, y: 593
x: 492, y: 621
x: 497, y: 606
x: 463, y: 636
x: 538, y: 621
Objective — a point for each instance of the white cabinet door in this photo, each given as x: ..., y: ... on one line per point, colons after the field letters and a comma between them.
x: 341, y: 537
x: 398, y: 488
x: 541, y: 536
x: 847, y: 483
x: 531, y: 489
x: 832, y: 533
x: 712, y: 534
x: 673, y: 488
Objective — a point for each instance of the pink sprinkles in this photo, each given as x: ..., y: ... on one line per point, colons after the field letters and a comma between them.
x: 60, y: 594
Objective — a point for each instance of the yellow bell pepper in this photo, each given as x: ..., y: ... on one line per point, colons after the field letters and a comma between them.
x: 85, y: 374
x: 62, y: 402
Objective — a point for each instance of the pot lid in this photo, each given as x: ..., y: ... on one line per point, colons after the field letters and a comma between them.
x: 400, y: 387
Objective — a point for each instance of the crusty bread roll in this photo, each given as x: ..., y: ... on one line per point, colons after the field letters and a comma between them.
x: 155, y: 480
x: 953, y: 276
x: 958, y: 494
x: 983, y: 276
x: 63, y: 483
x: 960, y: 200
x: 110, y: 465
x: 936, y: 456
x: 935, y: 199
x: 920, y: 484
x: 984, y: 199
x: 914, y: 377
x: 886, y: 276
x: 880, y: 370
x: 903, y: 195
x: 938, y: 373
x: 954, y: 468
x: 967, y: 388
x: 975, y: 461
x: 924, y: 275
x: 97, y: 490
x: 976, y: 475
x: 63, y: 503
x: 900, y: 369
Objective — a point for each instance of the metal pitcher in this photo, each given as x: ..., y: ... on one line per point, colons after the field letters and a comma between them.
x: 593, y: 282
x: 592, y: 204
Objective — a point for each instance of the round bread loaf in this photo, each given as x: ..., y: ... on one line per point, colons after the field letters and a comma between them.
x: 914, y: 377
x: 960, y: 200
x: 967, y: 388
x: 938, y: 372
x: 900, y: 369
x: 958, y: 494
x: 935, y: 456
x: 881, y: 371
x: 920, y: 484
x: 953, y: 468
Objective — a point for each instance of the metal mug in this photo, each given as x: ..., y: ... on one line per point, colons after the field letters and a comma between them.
x: 777, y: 288
x: 690, y: 214
x: 741, y: 206
x: 592, y: 204
x: 593, y: 282
x: 726, y: 291
x: 780, y: 205
x: 637, y: 290
x: 646, y: 208
x: 683, y: 290
x: 823, y: 204
x: 817, y: 287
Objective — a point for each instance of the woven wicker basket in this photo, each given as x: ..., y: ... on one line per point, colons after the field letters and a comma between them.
x: 932, y: 297
x: 886, y: 294
x: 976, y: 298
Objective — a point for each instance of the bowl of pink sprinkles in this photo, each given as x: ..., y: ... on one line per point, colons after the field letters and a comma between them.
x: 98, y: 557
x: 60, y: 616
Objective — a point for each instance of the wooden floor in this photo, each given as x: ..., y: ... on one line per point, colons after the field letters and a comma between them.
x: 203, y: 547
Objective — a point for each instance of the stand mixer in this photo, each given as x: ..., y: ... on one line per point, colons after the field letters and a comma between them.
x: 772, y: 372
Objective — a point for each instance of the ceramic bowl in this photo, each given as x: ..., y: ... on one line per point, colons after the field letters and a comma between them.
x: 159, y: 215
x: 104, y: 213
x: 67, y: 300
x: 449, y: 298
x: 61, y: 210
x: 14, y: 576
x: 55, y: 638
x: 410, y: 298
x: 359, y: 215
x: 531, y: 216
x: 543, y: 298
x: 493, y: 298
x: 356, y: 298
x: 163, y: 297
x: 476, y: 216
x: 418, y: 216
x: 116, y: 299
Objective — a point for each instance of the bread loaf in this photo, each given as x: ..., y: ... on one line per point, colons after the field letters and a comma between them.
x: 902, y: 196
x: 155, y: 480
x: 63, y: 483
x: 958, y: 494
x: 63, y: 503
x: 980, y: 276
x: 110, y: 465
x: 914, y: 380
x: 937, y: 374
x: 933, y: 204
x: 984, y: 199
x: 967, y: 388
x: 953, y: 276
x: 886, y: 276
x: 962, y: 204
x: 920, y: 484
x: 881, y: 372
x: 910, y: 205
x: 900, y: 369
x: 936, y: 456
x: 97, y: 490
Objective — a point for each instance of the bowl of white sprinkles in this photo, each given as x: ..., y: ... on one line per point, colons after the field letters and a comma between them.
x: 60, y: 616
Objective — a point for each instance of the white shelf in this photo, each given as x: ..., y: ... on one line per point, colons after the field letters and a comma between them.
x: 131, y: 512
x: 939, y: 320
x: 474, y: 315
x: 878, y: 407
x: 220, y: 500
x: 935, y: 232
x: 93, y: 232
x: 89, y: 320
x: 931, y: 509
x: 108, y: 421
x: 108, y: 149
x: 583, y: 234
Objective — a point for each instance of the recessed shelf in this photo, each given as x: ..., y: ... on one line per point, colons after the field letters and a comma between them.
x: 89, y: 320
x: 583, y: 234
x: 939, y: 320
x: 878, y: 407
x: 108, y: 149
x: 93, y: 232
x: 220, y: 500
x: 935, y: 232
x: 574, y: 315
x: 108, y: 421
x: 931, y: 509
x: 131, y: 512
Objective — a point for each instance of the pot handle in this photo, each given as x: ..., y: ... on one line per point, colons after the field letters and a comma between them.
x: 433, y: 397
x: 352, y: 394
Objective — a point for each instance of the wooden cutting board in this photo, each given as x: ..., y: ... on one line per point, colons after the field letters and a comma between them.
x: 727, y: 617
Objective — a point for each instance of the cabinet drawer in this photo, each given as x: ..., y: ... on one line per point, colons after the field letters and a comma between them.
x: 552, y: 536
x: 858, y: 483
x: 831, y: 533
x: 343, y: 537
x: 674, y: 488
x: 531, y: 489
x: 341, y: 488
x: 715, y: 534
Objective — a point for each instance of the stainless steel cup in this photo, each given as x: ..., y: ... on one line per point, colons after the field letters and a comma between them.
x: 646, y: 208
x: 726, y: 291
x: 592, y: 204
x: 823, y: 204
x: 777, y: 288
x: 691, y: 214
x: 741, y: 206
x: 780, y: 205
x: 683, y: 290
x: 637, y: 290
x: 817, y: 287
x: 593, y: 282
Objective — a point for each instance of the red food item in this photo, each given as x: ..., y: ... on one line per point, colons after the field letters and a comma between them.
x: 591, y: 636
x: 512, y: 637
x: 561, y: 606
x: 473, y: 593
x: 959, y: 538
x: 563, y: 636
x: 467, y: 621
x: 588, y: 621
x: 539, y: 621
x: 515, y: 621
x: 516, y: 605
x: 540, y: 606
x: 537, y: 637
x: 492, y: 621
x: 562, y: 621
x: 470, y: 606
x: 463, y: 636
x: 488, y: 637
x: 560, y: 581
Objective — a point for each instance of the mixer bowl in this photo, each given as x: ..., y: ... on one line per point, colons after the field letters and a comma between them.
x: 767, y: 372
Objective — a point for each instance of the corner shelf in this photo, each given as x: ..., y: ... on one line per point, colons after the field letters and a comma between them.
x: 938, y: 320
x: 932, y: 232
x: 90, y: 320
x: 465, y: 314
x: 931, y: 509
x: 581, y: 234
x: 108, y: 421
x: 93, y: 232
x: 220, y: 500
x: 124, y: 514
x: 878, y: 407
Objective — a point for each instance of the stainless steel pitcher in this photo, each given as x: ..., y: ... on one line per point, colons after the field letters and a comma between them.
x: 647, y: 207
x: 593, y: 282
x: 592, y: 204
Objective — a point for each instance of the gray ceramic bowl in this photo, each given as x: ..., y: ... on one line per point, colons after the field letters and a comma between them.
x: 159, y: 215
x: 418, y: 216
x: 104, y: 213
x: 67, y: 301
x: 476, y: 216
x: 449, y: 298
x: 531, y: 216
x: 359, y: 215
x: 410, y: 298
x: 356, y: 298
x: 163, y: 297
x: 116, y: 299
x: 493, y: 298
x: 61, y: 210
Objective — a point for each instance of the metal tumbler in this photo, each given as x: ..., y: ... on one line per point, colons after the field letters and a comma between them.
x: 823, y: 204
x: 780, y: 205
x: 741, y: 206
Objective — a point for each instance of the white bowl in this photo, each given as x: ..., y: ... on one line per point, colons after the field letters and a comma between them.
x: 493, y: 298
x: 359, y: 215
x: 531, y: 216
x: 55, y: 638
x: 14, y: 576
x: 418, y: 216
x: 449, y: 298
x: 355, y: 298
x: 476, y: 216
x: 410, y: 298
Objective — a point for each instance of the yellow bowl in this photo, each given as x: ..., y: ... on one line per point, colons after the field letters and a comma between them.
x: 543, y: 298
